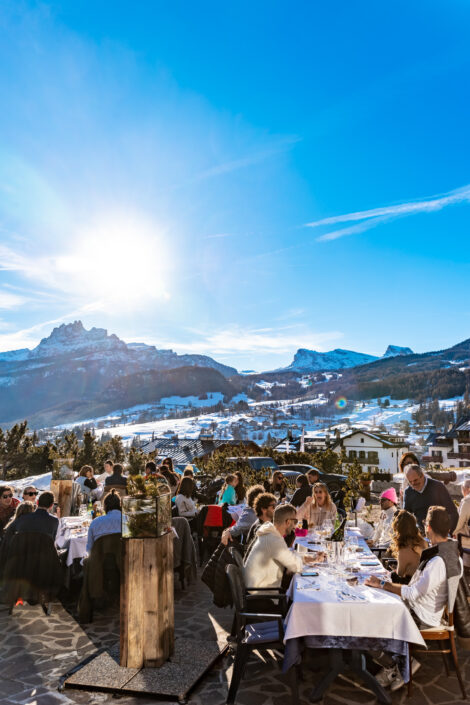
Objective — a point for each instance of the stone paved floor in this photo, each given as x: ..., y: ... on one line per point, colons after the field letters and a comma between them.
x: 36, y: 650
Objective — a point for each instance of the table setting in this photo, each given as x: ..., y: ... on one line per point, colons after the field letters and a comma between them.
x: 72, y: 534
x: 333, y: 609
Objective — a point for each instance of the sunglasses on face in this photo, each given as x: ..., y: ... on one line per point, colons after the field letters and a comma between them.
x: 7, y: 496
x: 31, y: 494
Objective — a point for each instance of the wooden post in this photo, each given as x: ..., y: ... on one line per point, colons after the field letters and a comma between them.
x: 62, y: 491
x: 147, y: 602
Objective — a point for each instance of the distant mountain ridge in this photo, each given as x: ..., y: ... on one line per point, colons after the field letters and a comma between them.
x: 73, y: 339
x: 75, y: 371
x: 313, y: 361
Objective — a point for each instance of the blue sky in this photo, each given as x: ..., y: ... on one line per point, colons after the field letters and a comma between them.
x: 237, y: 179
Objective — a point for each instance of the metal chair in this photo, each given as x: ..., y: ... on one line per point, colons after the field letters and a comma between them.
x: 254, y: 631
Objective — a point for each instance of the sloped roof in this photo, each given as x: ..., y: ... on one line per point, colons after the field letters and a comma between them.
x: 375, y: 436
x: 185, y: 450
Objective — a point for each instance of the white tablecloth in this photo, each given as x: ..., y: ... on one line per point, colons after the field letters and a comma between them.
x: 73, y: 536
x: 327, y: 606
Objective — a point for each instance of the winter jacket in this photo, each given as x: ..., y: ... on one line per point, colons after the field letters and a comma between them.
x: 229, y: 496
x: 316, y: 516
x: 435, y: 493
x: 268, y: 558
x: 214, y: 575
x: 245, y: 521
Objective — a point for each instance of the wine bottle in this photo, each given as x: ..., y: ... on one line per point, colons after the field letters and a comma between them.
x: 338, y: 534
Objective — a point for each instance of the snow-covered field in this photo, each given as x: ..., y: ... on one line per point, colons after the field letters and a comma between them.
x: 263, y: 418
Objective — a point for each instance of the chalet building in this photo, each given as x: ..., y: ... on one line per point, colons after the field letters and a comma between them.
x: 375, y: 451
x: 451, y: 449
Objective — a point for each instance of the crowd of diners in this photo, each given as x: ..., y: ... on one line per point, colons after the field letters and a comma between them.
x: 412, y: 523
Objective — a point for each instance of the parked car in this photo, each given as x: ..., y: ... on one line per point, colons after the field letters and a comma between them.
x: 181, y: 467
x: 334, y: 481
x: 254, y: 463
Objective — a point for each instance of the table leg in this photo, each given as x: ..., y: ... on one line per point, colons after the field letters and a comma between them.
x: 358, y: 666
x: 337, y: 665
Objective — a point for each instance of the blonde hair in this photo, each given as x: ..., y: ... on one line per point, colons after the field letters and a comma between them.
x: 328, y: 501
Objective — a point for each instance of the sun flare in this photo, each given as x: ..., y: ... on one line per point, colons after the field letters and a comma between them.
x: 118, y: 261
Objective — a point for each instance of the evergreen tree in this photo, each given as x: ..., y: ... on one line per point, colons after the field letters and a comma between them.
x: 353, y: 483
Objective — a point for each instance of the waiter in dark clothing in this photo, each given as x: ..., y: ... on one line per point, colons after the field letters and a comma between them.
x: 424, y: 492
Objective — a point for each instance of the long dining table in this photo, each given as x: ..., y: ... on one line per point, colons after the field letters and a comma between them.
x: 332, y: 609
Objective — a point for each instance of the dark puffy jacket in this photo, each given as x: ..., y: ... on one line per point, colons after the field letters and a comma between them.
x: 214, y: 575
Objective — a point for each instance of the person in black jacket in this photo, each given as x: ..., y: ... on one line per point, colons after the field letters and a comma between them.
x: 424, y: 492
x: 303, y: 490
x: 40, y: 521
x: 117, y: 478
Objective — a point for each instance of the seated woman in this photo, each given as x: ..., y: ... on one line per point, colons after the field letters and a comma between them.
x: 86, y: 471
x: 107, y: 523
x: 318, y: 508
x: 183, y: 500
x: 228, y: 494
x: 406, y: 546
x: 302, y: 491
x: 240, y: 489
x: 277, y: 486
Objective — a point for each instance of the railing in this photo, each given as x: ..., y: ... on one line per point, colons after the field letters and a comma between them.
x: 458, y: 456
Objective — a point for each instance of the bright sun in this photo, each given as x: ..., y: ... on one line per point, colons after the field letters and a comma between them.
x: 118, y: 261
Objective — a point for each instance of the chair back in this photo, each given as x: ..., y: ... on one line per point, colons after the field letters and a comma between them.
x: 104, y: 566
x: 237, y: 587
x: 236, y: 557
x: 32, y: 568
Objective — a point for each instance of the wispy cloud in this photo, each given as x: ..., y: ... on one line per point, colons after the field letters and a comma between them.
x: 10, y: 301
x: 373, y: 217
x: 248, y: 160
x: 240, y: 340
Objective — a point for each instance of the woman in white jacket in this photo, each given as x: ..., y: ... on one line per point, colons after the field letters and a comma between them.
x: 269, y: 556
x: 184, y: 501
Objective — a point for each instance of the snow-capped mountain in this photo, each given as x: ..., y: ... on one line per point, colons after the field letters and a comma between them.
x: 313, y: 361
x: 74, y: 370
x: 394, y: 350
x: 72, y: 339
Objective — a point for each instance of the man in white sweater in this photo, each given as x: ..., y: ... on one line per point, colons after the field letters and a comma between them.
x: 269, y: 556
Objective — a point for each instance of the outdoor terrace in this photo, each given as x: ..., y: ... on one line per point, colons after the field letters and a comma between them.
x: 37, y: 650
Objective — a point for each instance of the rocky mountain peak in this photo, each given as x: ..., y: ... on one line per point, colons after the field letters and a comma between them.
x: 394, y: 350
x: 69, y: 337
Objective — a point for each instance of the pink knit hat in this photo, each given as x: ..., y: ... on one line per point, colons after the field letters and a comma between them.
x: 390, y: 494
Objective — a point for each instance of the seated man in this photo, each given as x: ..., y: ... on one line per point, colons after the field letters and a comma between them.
x: 8, y: 505
x: 427, y: 593
x: 246, y: 519
x: 116, y: 478
x: 40, y: 521
x: 382, y: 532
x: 264, y: 506
x: 108, y: 470
x: 107, y: 523
x: 266, y: 561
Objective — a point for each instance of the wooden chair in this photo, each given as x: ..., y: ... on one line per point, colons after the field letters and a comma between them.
x: 254, y: 631
x: 443, y: 634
